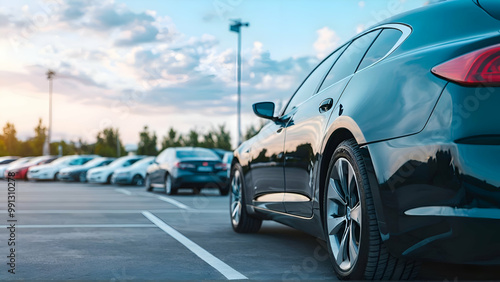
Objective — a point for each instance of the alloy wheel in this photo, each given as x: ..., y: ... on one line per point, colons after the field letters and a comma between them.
x: 343, y: 207
x: 235, y: 202
x: 168, y: 184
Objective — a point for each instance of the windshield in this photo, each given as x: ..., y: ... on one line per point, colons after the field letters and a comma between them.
x: 117, y: 162
x: 38, y: 159
x: 196, y: 153
x: 62, y: 160
x: 94, y: 162
x: 20, y: 161
x: 143, y: 162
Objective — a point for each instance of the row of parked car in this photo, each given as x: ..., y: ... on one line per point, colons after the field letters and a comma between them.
x: 172, y: 169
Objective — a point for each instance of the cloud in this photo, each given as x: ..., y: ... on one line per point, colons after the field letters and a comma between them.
x: 326, y: 43
x: 138, y: 35
x: 116, y: 16
x: 361, y: 4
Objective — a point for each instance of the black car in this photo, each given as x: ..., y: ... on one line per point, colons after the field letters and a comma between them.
x: 389, y: 150
x: 78, y: 173
x: 187, y: 167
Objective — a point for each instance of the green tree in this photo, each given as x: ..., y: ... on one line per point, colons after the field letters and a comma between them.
x: 84, y: 148
x: 147, y: 143
x: 223, y: 138
x: 172, y: 139
x: 192, y: 139
x: 106, y: 143
x: 67, y: 148
x: 39, y: 139
x: 209, y: 140
x: 10, y: 139
x: 253, y: 130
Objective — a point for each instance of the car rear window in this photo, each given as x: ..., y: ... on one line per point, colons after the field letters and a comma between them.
x: 349, y: 60
x: 195, y: 154
x: 382, y: 45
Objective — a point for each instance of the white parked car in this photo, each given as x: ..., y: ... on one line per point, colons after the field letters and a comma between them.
x: 50, y: 171
x: 103, y: 174
x: 135, y: 174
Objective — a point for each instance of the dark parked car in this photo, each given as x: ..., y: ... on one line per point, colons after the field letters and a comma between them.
x: 79, y: 172
x: 187, y: 167
x: 390, y: 148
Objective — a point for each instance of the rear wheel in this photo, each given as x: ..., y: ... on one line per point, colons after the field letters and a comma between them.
x: 241, y: 221
x: 138, y: 180
x: 224, y: 190
x: 169, y: 185
x: 351, y: 228
x: 55, y: 176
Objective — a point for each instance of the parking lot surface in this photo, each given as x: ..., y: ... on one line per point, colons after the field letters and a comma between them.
x: 102, y: 232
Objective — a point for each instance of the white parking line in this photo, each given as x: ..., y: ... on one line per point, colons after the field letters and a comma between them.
x: 82, y: 226
x: 126, y: 192
x: 174, y: 202
x: 216, y: 263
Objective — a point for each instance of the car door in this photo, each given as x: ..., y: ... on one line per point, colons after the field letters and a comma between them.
x: 306, y: 128
x: 155, y: 172
x: 267, y: 155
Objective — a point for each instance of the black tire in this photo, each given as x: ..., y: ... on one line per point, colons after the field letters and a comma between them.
x: 372, y: 261
x: 224, y: 190
x: 55, y: 176
x: 172, y: 189
x: 241, y: 221
x: 147, y: 183
x: 108, y: 181
x: 137, y: 180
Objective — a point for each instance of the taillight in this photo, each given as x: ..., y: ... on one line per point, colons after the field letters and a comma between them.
x: 481, y: 67
x: 181, y: 165
x: 220, y: 166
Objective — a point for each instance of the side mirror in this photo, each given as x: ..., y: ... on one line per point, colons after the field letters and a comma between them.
x: 264, y: 110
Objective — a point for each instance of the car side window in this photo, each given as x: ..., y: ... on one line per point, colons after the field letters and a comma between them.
x: 349, y: 61
x: 382, y: 45
x: 310, y: 84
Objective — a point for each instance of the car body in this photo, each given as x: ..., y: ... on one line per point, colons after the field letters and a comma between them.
x: 78, y: 173
x: 4, y: 163
x: 7, y: 159
x: 134, y: 174
x: 51, y: 171
x: 103, y: 174
x: 188, y: 167
x: 21, y: 170
x: 10, y: 165
x: 389, y: 149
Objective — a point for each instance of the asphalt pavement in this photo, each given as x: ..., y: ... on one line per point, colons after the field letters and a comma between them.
x: 79, y: 231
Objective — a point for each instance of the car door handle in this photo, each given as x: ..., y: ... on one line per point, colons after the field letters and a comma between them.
x: 326, y: 105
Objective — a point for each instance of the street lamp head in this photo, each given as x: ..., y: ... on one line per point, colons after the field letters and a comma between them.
x: 50, y: 74
x: 236, y: 25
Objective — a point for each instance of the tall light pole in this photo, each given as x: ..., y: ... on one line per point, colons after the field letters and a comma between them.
x: 46, y: 146
x: 235, y: 26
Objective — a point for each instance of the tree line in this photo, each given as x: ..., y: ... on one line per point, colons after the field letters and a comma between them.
x: 107, y: 139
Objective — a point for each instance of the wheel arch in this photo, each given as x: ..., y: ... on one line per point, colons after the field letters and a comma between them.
x: 345, y: 128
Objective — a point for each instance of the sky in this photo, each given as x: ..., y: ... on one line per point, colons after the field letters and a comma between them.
x: 126, y: 64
